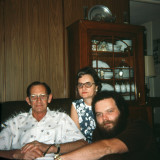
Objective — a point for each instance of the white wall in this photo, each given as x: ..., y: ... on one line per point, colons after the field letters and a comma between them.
x: 153, y: 33
x: 156, y: 35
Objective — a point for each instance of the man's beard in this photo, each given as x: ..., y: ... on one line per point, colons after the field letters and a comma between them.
x: 118, y: 125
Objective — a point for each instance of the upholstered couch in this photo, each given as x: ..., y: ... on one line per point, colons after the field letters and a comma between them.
x: 10, y: 108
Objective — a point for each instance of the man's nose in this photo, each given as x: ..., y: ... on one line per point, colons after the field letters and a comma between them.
x: 38, y: 98
x: 105, y: 117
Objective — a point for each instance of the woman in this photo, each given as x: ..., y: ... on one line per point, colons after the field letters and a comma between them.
x: 88, y: 84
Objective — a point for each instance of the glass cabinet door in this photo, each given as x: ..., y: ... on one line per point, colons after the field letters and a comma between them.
x: 112, y: 58
x: 116, y: 53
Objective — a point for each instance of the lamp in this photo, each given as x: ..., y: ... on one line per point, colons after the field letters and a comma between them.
x: 149, y: 66
x: 149, y: 72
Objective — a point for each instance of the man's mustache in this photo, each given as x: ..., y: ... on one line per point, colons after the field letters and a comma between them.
x: 107, y: 122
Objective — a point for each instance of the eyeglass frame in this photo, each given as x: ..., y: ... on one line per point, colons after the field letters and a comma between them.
x: 38, y: 96
x: 84, y: 84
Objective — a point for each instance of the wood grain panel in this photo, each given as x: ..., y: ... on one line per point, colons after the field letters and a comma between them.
x: 44, y: 55
x: 56, y: 48
x: 120, y: 8
x: 33, y: 43
x: 2, y: 55
x: 44, y: 59
x: 13, y: 49
x: 31, y: 36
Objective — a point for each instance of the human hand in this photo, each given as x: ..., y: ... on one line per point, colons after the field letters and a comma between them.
x: 29, y: 155
x: 33, y: 146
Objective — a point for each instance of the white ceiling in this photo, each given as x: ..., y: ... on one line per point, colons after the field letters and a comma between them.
x: 142, y: 11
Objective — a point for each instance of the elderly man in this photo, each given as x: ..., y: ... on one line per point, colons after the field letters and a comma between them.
x: 31, y: 135
x: 116, y: 138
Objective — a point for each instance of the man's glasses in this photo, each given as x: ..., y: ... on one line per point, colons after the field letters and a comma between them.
x: 34, y: 97
x: 87, y: 85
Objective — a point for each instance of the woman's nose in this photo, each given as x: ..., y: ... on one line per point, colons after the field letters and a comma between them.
x: 84, y: 87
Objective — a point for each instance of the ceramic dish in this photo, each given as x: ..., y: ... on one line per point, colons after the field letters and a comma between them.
x: 110, y: 47
x: 100, y: 13
x: 127, y: 98
x: 125, y: 73
x: 102, y: 69
x: 124, y: 44
x: 107, y: 87
x: 108, y: 75
x: 99, y: 64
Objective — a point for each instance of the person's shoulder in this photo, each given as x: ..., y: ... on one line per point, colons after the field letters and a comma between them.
x: 17, y: 116
x: 77, y: 102
x: 15, y: 119
x: 139, y: 124
x: 58, y: 113
x: 60, y: 116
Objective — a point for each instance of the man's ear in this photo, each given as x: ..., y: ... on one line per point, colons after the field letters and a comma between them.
x: 49, y: 98
x: 28, y: 101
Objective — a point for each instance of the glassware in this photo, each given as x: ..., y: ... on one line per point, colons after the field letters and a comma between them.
x: 123, y: 69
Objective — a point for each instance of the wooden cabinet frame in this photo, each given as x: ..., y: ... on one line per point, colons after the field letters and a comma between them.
x: 79, y: 44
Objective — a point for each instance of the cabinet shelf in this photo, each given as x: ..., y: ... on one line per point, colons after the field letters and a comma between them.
x: 110, y: 54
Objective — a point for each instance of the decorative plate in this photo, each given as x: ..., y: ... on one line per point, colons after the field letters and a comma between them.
x: 100, y: 13
x: 99, y: 64
x: 107, y: 87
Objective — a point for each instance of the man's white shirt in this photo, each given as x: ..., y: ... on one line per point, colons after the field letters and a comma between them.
x: 55, y: 128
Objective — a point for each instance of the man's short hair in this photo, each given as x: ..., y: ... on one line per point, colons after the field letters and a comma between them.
x: 48, y: 90
x: 118, y: 98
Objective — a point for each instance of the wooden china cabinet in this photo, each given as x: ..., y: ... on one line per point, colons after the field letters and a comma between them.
x: 116, y: 53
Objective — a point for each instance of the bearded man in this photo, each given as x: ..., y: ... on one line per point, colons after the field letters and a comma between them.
x: 115, y: 138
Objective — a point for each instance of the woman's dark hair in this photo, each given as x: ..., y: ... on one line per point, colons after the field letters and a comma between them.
x: 90, y: 70
x: 48, y: 90
x: 118, y: 98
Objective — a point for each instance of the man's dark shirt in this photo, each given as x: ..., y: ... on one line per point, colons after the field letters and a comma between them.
x: 138, y: 138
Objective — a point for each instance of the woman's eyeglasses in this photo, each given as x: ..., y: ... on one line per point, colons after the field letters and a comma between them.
x: 87, y: 85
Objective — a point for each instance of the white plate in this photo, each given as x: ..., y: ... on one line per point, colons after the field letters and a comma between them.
x: 47, y: 157
x: 115, y: 50
x: 107, y: 87
x: 99, y: 64
x: 101, y: 68
x: 127, y: 98
x: 124, y: 45
x: 108, y: 75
